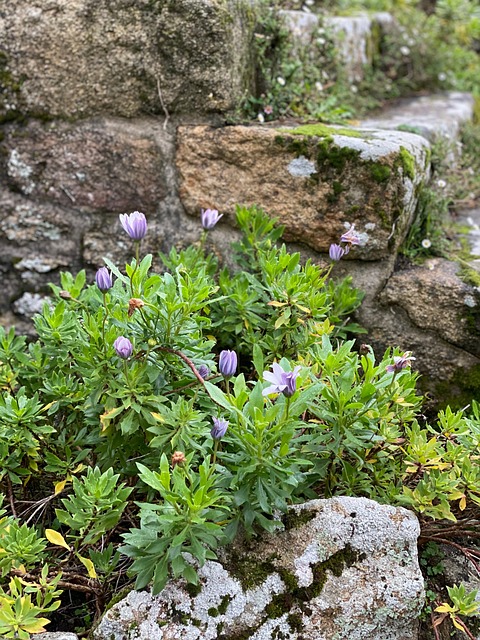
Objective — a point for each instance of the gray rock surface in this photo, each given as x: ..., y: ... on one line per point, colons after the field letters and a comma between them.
x: 317, y: 181
x: 437, y: 284
x: 103, y: 164
x: 56, y: 635
x: 356, y: 37
x: 434, y: 116
x: 429, y: 310
x: 353, y: 36
x: 124, y: 57
x: 354, y: 564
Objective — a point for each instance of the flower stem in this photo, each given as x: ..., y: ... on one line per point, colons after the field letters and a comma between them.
x: 137, y: 254
x: 127, y: 376
x: 105, y: 316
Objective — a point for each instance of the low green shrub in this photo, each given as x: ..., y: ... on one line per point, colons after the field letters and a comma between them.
x: 128, y: 443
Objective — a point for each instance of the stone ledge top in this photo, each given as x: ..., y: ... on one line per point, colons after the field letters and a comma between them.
x: 433, y: 116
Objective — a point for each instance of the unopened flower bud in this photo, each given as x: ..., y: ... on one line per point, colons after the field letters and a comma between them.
x: 227, y: 363
x: 336, y: 252
x: 123, y: 347
x: 178, y: 457
x: 204, y: 371
x: 219, y: 428
x: 103, y: 279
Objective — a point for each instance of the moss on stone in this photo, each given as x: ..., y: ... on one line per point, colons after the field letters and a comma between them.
x: 295, y: 519
x: 380, y: 172
x: 214, y: 612
x: 120, y: 595
x: 334, y: 195
x: 297, y: 146
x: 469, y: 275
x: 223, y: 606
x: 295, y: 621
x: 283, y: 602
x: 193, y: 589
x: 428, y: 157
x: 320, y: 130
x: 329, y: 155
x: 249, y: 571
x: 322, y: 149
x: 457, y: 392
x: 407, y: 162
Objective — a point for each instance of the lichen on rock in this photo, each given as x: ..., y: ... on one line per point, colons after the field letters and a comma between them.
x: 344, y: 568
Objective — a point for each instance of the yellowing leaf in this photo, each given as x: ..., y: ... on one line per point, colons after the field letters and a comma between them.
x: 157, y: 416
x: 444, y: 608
x: 60, y: 486
x: 302, y: 308
x: 457, y: 624
x: 275, y: 303
x: 463, y: 503
x: 106, y: 417
x: 37, y: 626
x: 56, y: 538
x: 280, y: 321
x: 88, y: 564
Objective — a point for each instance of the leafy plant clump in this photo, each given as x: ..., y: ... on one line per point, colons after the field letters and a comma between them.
x: 428, y: 47
x: 156, y: 415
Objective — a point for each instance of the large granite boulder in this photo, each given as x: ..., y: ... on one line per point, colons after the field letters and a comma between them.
x: 315, y: 179
x: 343, y: 569
x: 123, y: 57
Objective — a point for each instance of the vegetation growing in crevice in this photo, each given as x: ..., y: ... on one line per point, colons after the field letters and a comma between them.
x: 425, y: 51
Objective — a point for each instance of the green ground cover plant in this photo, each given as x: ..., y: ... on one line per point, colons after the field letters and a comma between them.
x: 158, y: 414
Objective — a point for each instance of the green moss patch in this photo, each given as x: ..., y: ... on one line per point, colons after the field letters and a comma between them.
x: 323, y: 131
x: 329, y: 155
x: 249, y: 571
x: 380, y: 172
x: 295, y: 519
x: 407, y: 162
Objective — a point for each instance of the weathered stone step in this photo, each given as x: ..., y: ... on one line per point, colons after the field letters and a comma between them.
x: 80, y: 58
x: 434, y: 116
x: 315, y: 179
x: 355, y: 37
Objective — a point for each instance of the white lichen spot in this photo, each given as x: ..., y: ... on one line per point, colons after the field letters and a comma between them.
x: 301, y: 167
x: 469, y: 301
x: 34, y: 264
x: 20, y: 172
x: 303, y: 564
x: 274, y: 628
x: 29, y: 304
